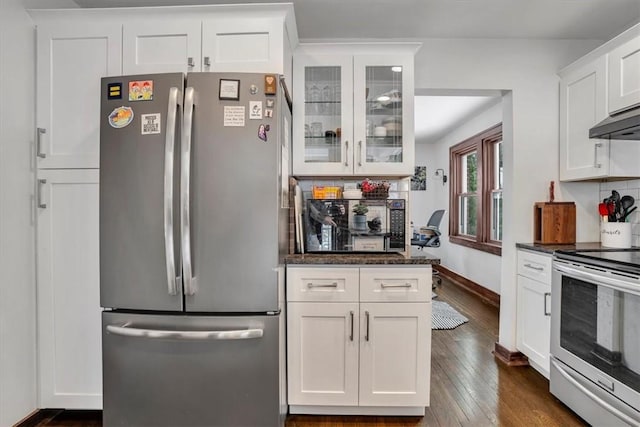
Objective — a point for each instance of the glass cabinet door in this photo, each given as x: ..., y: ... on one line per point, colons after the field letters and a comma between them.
x: 322, y: 117
x: 384, y: 129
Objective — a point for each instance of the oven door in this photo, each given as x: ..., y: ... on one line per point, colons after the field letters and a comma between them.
x: 595, y: 328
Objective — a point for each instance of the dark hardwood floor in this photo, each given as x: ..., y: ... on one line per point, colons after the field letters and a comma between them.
x: 468, y: 386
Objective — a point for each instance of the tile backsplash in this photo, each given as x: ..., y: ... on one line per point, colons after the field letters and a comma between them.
x: 631, y: 188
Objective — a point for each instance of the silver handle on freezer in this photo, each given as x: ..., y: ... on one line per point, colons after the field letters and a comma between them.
x: 606, y: 405
x: 185, y: 171
x: 328, y: 285
x: 366, y: 335
x: 41, y: 183
x: 595, y: 155
x: 547, y: 295
x: 359, y: 153
x: 39, y: 153
x: 346, y: 153
x: 242, y: 334
x: 169, y: 146
x: 351, y: 334
x: 403, y: 285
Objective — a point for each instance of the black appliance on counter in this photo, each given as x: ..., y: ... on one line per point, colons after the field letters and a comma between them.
x: 331, y: 225
x: 595, y: 334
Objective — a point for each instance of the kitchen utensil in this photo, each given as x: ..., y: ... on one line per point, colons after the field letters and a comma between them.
x: 626, y: 214
x: 604, y: 212
x: 617, y: 210
x: 626, y: 203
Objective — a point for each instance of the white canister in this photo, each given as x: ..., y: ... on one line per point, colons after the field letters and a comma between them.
x: 615, y: 234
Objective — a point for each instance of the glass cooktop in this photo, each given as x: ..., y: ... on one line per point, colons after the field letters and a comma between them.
x: 618, y: 259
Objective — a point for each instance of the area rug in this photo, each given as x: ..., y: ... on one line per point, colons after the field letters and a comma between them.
x: 443, y: 316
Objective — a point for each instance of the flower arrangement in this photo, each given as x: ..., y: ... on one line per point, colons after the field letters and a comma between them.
x: 374, y: 190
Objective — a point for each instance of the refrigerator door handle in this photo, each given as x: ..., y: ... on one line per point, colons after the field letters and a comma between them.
x: 241, y: 334
x: 169, y: 149
x: 185, y: 171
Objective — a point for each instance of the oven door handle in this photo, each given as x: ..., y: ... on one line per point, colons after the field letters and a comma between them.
x: 600, y: 280
x: 606, y: 405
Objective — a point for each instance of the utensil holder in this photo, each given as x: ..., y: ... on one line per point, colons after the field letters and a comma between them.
x: 615, y: 234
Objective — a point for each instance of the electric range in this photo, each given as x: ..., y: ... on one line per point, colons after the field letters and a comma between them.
x: 626, y: 260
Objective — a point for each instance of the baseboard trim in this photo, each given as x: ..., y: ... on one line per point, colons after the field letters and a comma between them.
x: 508, y: 357
x: 37, y: 416
x: 485, y: 294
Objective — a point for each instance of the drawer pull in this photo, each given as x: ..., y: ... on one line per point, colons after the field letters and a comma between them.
x: 403, y: 285
x: 351, y: 334
x: 366, y: 335
x: 322, y: 285
x: 547, y: 295
x: 533, y: 267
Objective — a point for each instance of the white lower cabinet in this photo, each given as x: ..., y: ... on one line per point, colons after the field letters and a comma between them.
x: 534, y: 309
x: 68, y: 291
x: 358, y: 340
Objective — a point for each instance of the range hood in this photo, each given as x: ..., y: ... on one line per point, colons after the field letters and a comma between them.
x: 625, y: 125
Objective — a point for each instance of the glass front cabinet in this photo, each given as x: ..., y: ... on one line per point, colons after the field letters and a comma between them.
x: 353, y: 115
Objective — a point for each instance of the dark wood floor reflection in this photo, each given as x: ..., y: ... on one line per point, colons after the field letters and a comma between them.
x: 468, y: 386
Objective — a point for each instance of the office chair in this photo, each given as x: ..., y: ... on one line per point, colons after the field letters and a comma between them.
x: 432, y: 240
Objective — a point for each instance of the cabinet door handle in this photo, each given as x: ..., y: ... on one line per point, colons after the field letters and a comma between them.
x: 366, y: 334
x: 547, y: 312
x: 346, y: 153
x: 403, y: 285
x: 41, y: 183
x: 322, y: 285
x: 190, y: 62
x: 351, y: 334
x: 39, y: 152
x: 595, y: 155
x: 359, y: 153
x: 532, y: 267
x: 207, y: 61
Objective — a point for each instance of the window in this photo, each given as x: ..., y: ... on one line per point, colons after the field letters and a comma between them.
x: 475, y: 202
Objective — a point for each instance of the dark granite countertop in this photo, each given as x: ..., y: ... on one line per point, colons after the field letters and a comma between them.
x: 550, y: 249
x: 415, y: 258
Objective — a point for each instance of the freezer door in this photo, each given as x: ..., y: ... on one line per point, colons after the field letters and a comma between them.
x: 233, y: 149
x: 190, y: 371
x: 139, y: 162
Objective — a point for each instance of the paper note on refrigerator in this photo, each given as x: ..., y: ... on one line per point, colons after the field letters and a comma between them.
x: 233, y: 115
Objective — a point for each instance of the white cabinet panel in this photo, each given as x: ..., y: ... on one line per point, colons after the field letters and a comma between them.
x: 395, y: 342
x: 337, y: 284
x: 162, y: 47
x: 624, y: 76
x: 69, y: 324
x: 243, y: 45
x: 71, y: 59
x: 534, y: 322
x: 388, y: 284
x: 323, y: 353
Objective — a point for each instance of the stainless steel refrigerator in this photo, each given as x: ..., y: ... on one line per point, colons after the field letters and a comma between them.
x: 193, y: 230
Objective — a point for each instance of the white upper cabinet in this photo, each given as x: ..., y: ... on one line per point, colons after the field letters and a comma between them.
x: 161, y: 46
x: 71, y: 59
x: 624, y: 76
x: 583, y: 95
x: 251, y: 45
x: 605, y: 81
x: 354, y: 112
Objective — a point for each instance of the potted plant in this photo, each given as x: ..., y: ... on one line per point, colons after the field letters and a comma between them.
x: 360, y: 217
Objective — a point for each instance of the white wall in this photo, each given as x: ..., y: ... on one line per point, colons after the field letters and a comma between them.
x: 528, y: 69
x: 481, y: 267
x: 17, y: 284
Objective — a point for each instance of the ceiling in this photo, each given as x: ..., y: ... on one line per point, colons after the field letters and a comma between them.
x: 383, y: 19
x: 416, y: 19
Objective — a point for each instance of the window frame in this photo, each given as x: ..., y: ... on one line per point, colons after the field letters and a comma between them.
x: 483, y: 144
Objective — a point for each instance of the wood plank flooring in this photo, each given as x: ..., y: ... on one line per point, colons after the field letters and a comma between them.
x: 469, y: 387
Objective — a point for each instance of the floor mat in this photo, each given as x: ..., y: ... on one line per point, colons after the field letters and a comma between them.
x: 443, y: 316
